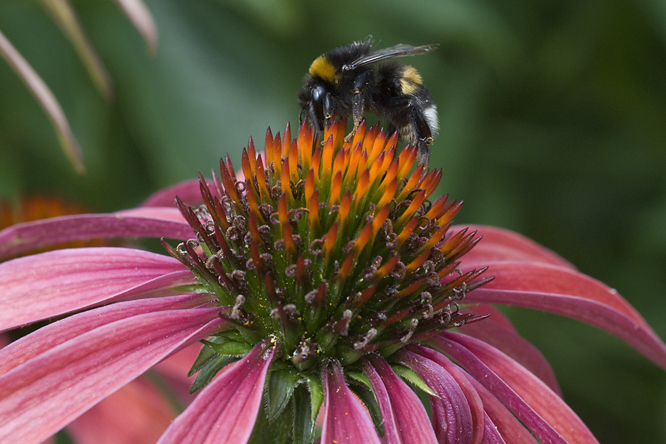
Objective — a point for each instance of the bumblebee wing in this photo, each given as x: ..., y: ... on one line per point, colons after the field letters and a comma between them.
x: 400, y: 50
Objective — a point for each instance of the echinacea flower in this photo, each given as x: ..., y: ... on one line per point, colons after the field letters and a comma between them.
x: 323, y: 279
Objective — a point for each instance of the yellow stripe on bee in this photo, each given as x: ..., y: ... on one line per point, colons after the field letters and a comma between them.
x: 322, y: 68
x: 410, y: 80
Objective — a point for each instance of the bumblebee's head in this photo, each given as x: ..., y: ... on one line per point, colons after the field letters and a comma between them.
x: 316, y: 103
x: 315, y: 98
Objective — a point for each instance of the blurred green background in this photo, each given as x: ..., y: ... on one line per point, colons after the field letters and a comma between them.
x: 553, y: 118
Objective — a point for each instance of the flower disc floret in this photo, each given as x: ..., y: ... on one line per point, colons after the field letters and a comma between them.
x: 332, y: 249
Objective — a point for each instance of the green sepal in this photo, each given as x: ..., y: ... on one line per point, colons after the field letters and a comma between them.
x: 411, y: 376
x: 368, y: 397
x: 316, y: 395
x: 190, y: 288
x: 210, y: 370
x: 304, y: 424
x: 278, y: 432
x: 359, y: 377
x: 229, y: 335
x: 206, y: 249
x: 347, y: 355
x: 230, y: 348
x: 280, y: 387
x: 390, y: 349
x: 206, y: 354
x: 204, y: 279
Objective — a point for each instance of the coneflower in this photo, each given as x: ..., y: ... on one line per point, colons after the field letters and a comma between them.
x: 322, y: 279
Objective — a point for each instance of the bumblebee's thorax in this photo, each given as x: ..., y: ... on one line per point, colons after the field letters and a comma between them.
x: 324, y: 69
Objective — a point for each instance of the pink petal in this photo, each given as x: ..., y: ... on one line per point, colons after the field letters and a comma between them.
x: 533, y: 277
x: 48, y: 337
x: 451, y: 413
x: 535, y: 405
x: 473, y: 400
x: 137, y: 413
x: 57, y: 282
x: 490, y: 433
x: 345, y: 419
x: 570, y: 293
x: 226, y: 409
x: 140, y: 222
x: 187, y: 190
x: 514, y: 345
x: 504, y: 245
x: 405, y: 419
x: 511, y: 430
x: 42, y: 395
x: 169, y: 213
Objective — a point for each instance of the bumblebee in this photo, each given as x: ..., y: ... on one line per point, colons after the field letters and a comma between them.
x: 347, y: 81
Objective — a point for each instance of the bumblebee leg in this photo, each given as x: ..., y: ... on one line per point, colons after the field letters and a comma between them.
x: 423, y: 155
x: 316, y: 123
x: 357, y: 114
x: 358, y: 103
x: 328, y: 110
x: 423, y: 137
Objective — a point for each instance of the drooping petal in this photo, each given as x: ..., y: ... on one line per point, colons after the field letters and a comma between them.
x: 451, y: 414
x: 46, y: 100
x: 514, y: 345
x: 142, y: 20
x: 226, y: 410
x: 345, y: 420
x: 189, y: 192
x: 533, y: 403
x: 511, y: 430
x: 504, y: 245
x: 473, y: 400
x: 42, y: 395
x: 138, y: 222
x: 137, y: 413
x: 405, y: 419
x: 52, y: 335
x: 570, y: 293
x: 57, y: 282
x: 65, y: 17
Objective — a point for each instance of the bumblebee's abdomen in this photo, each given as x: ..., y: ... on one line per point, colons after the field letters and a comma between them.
x: 410, y: 80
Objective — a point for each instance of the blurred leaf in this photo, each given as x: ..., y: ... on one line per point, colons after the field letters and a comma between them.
x: 284, y: 17
x: 474, y: 24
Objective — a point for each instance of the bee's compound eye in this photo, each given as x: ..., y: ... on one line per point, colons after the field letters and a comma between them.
x: 317, y: 106
x: 317, y: 92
